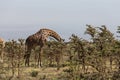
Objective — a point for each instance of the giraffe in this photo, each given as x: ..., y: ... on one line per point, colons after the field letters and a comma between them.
x: 2, y: 45
x: 38, y: 39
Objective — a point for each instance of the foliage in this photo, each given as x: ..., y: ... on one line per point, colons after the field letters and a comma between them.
x: 77, y: 59
x: 34, y: 73
x: 15, y: 51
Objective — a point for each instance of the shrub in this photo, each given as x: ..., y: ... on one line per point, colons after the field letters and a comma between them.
x: 34, y: 73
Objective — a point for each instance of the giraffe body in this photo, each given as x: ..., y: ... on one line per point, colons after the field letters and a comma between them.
x: 38, y: 39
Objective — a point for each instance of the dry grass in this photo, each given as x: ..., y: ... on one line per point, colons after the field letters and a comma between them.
x: 25, y: 73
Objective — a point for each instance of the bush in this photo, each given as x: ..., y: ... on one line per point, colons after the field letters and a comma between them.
x: 34, y: 73
x: 116, y: 76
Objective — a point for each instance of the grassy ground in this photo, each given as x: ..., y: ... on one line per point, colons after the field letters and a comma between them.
x: 51, y: 73
x: 33, y: 74
x: 43, y: 73
x: 30, y: 73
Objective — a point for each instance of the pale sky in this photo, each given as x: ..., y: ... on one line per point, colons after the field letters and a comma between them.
x: 21, y: 18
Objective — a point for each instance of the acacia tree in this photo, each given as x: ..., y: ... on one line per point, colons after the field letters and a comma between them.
x: 90, y: 30
x: 118, y: 30
x: 102, y: 43
x: 78, y: 49
x: 106, y: 41
x: 10, y: 48
x: 102, y: 38
x: 118, y: 48
x: 15, y: 51
x: 53, y: 52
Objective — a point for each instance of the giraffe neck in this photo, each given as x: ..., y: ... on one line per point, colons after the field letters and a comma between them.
x: 47, y: 32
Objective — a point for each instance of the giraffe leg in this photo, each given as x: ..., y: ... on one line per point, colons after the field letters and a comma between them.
x: 35, y: 60
x: 26, y: 62
x: 27, y: 58
x: 39, y: 58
